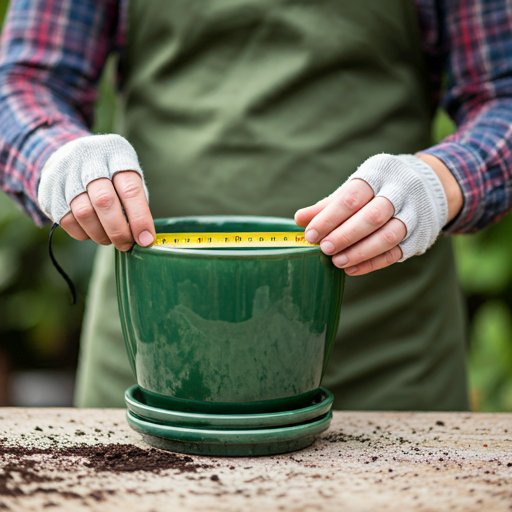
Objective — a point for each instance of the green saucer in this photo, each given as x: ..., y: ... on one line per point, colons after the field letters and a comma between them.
x: 136, y: 404
x: 229, y: 443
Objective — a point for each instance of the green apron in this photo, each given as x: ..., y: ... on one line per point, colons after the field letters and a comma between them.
x: 261, y: 107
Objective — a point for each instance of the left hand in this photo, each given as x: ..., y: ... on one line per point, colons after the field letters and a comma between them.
x: 364, y: 233
x: 355, y: 227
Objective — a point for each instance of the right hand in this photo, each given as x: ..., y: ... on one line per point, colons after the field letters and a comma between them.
x: 97, y: 214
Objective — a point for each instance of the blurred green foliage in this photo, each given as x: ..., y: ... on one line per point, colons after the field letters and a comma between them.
x: 3, y: 8
x: 484, y: 262
x: 40, y: 328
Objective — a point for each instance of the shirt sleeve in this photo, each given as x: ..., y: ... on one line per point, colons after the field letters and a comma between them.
x: 52, y: 53
x: 478, y: 38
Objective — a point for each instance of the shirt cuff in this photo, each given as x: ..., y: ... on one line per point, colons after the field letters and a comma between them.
x: 40, y: 145
x: 466, y: 166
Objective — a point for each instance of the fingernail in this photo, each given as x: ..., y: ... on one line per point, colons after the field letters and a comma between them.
x: 311, y: 236
x: 146, y: 238
x: 327, y: 247
x: 351, y: 270
x: 341, y: 260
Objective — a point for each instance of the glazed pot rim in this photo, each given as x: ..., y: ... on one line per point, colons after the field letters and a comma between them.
x: 211, y: 220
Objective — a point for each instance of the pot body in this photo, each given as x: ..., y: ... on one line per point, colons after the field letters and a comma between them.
x: 228, y: 331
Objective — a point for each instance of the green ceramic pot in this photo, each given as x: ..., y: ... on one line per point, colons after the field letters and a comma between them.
x: 228, y: 331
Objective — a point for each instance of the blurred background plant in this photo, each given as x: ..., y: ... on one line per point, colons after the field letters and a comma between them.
x: 484, y: 262
x: 39, y: 330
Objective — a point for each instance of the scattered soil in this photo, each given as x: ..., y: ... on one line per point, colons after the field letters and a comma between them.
x: 341, y: 437
x: 25, y: 465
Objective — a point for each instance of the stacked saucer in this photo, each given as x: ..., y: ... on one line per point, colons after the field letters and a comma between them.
x: 229, y: 434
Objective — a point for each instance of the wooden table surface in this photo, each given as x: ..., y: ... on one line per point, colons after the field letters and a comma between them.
x: 90, y: 459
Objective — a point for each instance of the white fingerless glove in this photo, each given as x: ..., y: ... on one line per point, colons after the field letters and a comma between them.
x: 416, y: 193
x: 73, y: 166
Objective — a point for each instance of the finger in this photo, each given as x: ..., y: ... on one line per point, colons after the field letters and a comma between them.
x: 129, y: 188
x: 366, y: 221
x: 69, y: 224
x: 380, y: 261
x: 108, y: 208
x: 379, y: 242
x: 346, y: 201
x: 305, y: 215
x: 84, y: 213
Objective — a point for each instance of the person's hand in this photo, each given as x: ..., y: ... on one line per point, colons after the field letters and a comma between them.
x: 356, y: 227
x: 98, y: 213
x: 391, y: 208
x: 86, y: 184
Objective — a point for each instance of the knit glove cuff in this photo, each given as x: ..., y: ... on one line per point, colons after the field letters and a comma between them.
x: 416, y: 193
x: 73, y: 166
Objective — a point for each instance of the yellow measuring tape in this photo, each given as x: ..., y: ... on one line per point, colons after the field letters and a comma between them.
x: 231, y: 240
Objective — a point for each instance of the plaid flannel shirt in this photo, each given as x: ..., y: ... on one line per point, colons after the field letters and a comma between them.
x: 52, y: 53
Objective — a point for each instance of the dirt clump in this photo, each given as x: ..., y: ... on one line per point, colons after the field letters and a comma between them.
x: 28, y: 465
x: 120, y: 458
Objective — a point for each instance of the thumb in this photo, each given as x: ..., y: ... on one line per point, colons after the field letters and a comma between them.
x: 305, y: 215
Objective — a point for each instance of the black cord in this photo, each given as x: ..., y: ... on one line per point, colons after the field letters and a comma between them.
x: 58, y: 267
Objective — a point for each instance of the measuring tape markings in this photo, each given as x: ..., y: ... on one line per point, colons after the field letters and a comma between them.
x: 238, y: 239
